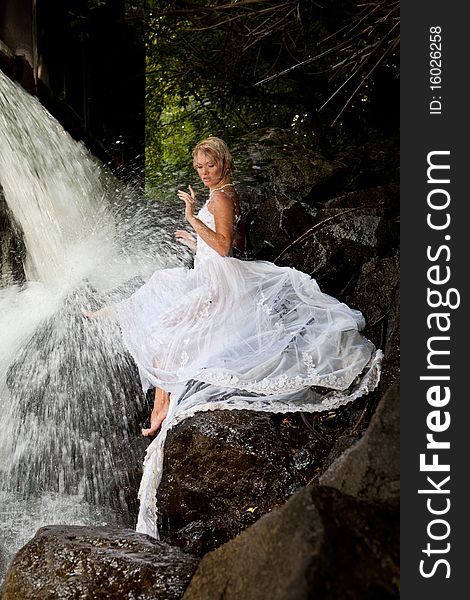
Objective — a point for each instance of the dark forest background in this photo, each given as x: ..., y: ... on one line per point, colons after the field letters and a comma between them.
x: 326, y: 70
x: 142, y: 81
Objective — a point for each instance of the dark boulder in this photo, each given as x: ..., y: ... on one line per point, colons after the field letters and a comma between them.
x: 347, y: 232
x: 84, y: 562
x: 377, y: 295
x: 320, y: 544
x: 12, y: 248
x: 224, y: 469
x: 370, y: 469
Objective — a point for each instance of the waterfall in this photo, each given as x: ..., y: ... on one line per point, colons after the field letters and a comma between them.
x: 70, y: 401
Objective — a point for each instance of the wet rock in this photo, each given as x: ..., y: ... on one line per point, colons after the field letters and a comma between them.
x: 376, y: 287
x: 377, y: 294
x: 275, y: 223
x: 345, y: 235
x: 84, y: 562
x: 359, y: 167
x: 224, y: 469
x: 12, y: 248
x: 335, y: 254
x: 278, y: 175
x: 371, y: 468
x: 320, y: 544
x: 324, y: 217
x: 391, y: 366
x: 276, y: 161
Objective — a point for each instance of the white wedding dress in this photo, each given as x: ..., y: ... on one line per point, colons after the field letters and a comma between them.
x: 232, y: 334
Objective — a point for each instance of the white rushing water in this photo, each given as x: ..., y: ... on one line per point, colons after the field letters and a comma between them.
x: 69, y: 395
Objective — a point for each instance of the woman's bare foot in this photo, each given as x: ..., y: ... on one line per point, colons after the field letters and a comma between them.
x: 159, y: 412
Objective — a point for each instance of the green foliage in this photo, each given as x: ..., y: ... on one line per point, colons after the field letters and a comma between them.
x: 230, y: 68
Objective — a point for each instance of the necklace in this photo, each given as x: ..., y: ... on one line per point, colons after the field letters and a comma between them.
x: 220, y: 189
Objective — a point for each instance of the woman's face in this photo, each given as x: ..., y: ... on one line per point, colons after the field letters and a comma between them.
x: 208, y: 170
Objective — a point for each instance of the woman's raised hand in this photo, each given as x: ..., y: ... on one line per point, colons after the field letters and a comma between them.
x: 189, y: 200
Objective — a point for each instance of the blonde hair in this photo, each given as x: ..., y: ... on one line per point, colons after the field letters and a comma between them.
x: 218, y: 150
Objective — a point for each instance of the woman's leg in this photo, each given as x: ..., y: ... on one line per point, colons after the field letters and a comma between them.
x: 161, y: 404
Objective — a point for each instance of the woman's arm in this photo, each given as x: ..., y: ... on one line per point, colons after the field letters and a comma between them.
x: 221, y: 206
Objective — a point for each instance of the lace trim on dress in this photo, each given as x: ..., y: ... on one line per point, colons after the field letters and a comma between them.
x: 282, y: 383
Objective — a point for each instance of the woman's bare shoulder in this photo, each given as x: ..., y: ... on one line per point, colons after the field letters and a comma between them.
x: 222, y: 201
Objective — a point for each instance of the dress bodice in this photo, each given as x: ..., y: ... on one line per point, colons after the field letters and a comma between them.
x: 203, y: 250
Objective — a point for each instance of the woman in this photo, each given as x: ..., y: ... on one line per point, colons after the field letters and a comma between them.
x: 213, y: 163
x: 232, y: 334
x: 240, y: 334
